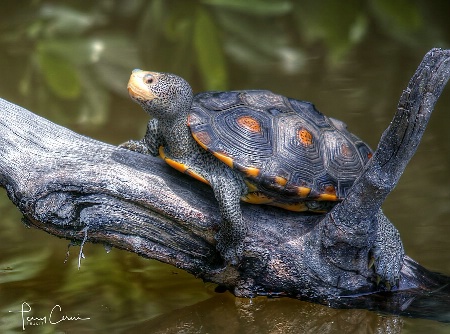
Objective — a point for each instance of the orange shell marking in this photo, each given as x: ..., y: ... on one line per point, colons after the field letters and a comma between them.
x: 224, y: 158
x: 304, y: 137
x: 297, y: 207
x: 202, y: 138
x: 281, y: 180
x: 257, y: 198
x: 251, y: 172
x: 303, y: 192
x: 329, y: 195
x: 249, y: 123
x: 251, y: 187
x: 181, y: 167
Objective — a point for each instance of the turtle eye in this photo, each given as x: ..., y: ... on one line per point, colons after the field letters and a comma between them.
x: 148, y: 79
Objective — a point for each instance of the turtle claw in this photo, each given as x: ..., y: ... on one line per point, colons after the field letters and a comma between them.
x: 387, y: 254
x: 387, y: 269
x: 136, y: 146
x: 388, y: 286
x: 378, y: 280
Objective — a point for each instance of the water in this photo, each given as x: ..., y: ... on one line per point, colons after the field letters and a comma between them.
x: 70, y: 63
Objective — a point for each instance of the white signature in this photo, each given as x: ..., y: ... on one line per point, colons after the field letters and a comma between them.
x: 54, y: 317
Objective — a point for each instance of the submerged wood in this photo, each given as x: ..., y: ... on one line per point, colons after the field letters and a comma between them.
x: 81, y: 189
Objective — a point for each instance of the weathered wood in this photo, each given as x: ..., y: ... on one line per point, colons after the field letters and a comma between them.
x: 82, y: 189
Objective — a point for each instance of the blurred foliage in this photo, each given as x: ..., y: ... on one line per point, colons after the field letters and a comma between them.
x: 68, y: 57
x: 338, y: 24
x: 75, y: 56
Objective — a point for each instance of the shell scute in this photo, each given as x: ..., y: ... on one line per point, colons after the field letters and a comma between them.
x: 289, y: 150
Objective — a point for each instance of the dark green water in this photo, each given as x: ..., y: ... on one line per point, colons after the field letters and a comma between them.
x: 70, y: 63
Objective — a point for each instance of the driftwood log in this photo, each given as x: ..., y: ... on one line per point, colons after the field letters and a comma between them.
x: 84, y: 190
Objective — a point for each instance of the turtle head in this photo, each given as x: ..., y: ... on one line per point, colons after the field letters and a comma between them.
x: 162, y: 95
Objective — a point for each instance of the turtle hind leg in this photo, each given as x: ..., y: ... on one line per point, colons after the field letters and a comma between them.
x: 387, y: 251
x: 228, y: 189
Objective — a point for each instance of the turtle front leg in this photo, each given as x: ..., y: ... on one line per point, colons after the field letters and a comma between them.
x: 150, y: 143
x: 233, y: 229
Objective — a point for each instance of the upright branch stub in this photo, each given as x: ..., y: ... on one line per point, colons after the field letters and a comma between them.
x: 399, y: 141
x: 68, y: 184
x: 358, y: 219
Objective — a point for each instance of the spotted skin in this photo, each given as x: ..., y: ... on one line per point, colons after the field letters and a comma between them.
x: 167, y: 98
x: 308, y: 163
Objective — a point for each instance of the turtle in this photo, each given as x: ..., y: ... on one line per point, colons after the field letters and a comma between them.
x: 249, y: 145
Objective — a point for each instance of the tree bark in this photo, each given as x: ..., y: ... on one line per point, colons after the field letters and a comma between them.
x: 81, y: 189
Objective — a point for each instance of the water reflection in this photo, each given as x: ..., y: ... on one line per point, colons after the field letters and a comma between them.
x: 224, y: 313
x: 70, y: 63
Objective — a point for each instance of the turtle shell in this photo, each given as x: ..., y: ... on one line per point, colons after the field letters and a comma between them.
x: 289, y: 153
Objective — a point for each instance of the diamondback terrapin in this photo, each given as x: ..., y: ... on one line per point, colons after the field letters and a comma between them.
x: 254, y: 146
